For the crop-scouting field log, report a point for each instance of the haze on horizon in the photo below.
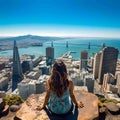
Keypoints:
(64, 18)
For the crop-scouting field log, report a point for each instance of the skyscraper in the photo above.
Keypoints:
(49, 55)
(84, 58)
(96, 64)
(108, 62)
(17, 69)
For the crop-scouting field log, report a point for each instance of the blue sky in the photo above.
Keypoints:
(60, 17)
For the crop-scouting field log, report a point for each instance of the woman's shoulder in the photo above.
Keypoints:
(70, 82)
(48, 80)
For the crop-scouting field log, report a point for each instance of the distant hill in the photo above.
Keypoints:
(25, 40)
(30, 37)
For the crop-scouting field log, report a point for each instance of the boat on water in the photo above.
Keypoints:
(37, 44)
(72, 51)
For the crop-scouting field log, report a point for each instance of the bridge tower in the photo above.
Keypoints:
(103, 45)
(66, 44)
(52, 44)
(89, 45)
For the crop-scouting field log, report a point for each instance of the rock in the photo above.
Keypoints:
(112, 107)
(5, 111)
(2, 105)
(118, 104)
(102, 109)
(88, 112)
(110, 112)
(9, 116)
(14, 108)
(102, 113)
(112, 117)
(2, 94)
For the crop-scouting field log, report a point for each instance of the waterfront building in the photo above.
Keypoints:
(83, 59)
(108, 62)
(96, 64)
(49, 55)
(27, 65)
(17, 69)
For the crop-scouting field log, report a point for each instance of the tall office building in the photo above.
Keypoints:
(49, 55)
(17, 69)
(108, 62)
(96, 64)
(83, 59)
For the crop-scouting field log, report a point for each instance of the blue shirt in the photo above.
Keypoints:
(60, 105)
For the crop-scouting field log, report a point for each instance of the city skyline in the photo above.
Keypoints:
(76, 18)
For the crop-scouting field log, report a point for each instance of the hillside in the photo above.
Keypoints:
(24, 41)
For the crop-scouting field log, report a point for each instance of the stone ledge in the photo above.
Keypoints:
(89, 112)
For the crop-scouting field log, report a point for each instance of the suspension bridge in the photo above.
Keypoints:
(67, 44)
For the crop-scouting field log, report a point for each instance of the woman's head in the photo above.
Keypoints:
(59, 78)
(60, 67)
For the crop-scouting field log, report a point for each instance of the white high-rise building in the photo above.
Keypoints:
(96, 64)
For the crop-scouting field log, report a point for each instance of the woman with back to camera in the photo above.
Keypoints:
(59, 91)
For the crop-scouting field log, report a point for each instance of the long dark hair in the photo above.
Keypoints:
(59, 78)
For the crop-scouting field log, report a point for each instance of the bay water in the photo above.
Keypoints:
(74, 44)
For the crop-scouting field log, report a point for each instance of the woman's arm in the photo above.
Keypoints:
(71, 89)
(46, 96)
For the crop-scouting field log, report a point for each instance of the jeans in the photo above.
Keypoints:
(71, 109)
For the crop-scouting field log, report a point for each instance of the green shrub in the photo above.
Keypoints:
(100, 104)
(13, 100)
(114, 101)
(105, 100)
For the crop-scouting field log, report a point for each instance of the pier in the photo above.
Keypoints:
(68, 54)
